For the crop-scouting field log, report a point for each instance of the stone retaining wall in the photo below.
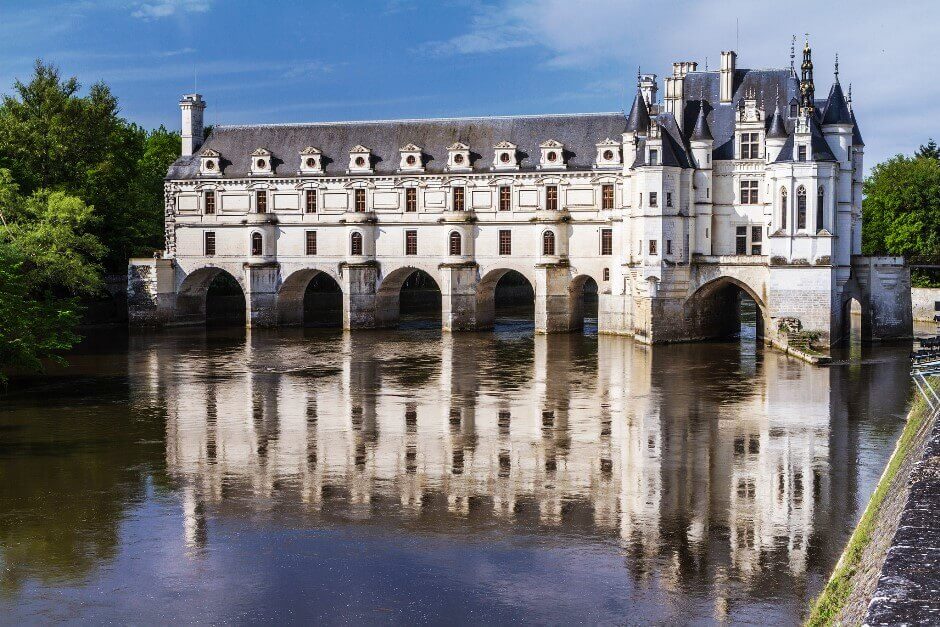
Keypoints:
(922, 302)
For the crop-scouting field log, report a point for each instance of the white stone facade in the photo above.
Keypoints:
(739, 180)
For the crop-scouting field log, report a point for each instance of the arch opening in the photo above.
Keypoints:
(506, 301)
(853, 321)
(584, 304)
(726, 309)
(310, 298)
(409, 298)
(211, 296)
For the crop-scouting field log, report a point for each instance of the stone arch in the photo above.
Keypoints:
(486, 293)
(191, 296)
(388, 293)
(293, 290)
(576, 295)
(712, 309)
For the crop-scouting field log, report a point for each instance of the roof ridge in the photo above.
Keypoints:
(399, 121)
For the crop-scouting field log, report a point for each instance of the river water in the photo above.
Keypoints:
(413, 476)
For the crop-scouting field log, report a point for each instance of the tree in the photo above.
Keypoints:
(929, 150)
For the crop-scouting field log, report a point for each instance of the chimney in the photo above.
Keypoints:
(191, 108)
(675, 89)
(726, 87)
(648, 87)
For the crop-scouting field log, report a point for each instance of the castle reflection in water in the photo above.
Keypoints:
(718, 459)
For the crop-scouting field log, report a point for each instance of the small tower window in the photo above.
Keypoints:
(411, 199)
(210, 202)
(783, 208)
(801, 153)
(654, 199)
(360, 200)
(257, 244)
(411, 242)
(548, 243)
(653, 246)
(505, 198)
(551, 197)
(209, 243)
(607, 241)
(311, 201)
(740, 240)
(757, 236)
(355, 244)
(820, 198)
(607, 196)
(606, 274)
(459, 199)
(801, 208)
(261, 201)
(654, 157)
(505, 242)
(311, 243)
(668, 199)
(455, 244)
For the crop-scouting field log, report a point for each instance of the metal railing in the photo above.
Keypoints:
(925, 363)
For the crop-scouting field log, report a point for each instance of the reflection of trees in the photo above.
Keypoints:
(67, 477)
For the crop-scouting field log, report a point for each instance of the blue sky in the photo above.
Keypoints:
(307, 61)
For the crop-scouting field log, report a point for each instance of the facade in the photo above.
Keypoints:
(738, 180)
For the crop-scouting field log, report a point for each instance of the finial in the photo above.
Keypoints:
(837, 67)
(806, 46)
(792, 53)
(850, 93)
(638, 76)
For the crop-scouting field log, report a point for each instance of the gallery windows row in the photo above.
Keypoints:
(458, 199)
(455, 245)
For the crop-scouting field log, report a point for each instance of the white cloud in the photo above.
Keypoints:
(308, 68)
(167, 8)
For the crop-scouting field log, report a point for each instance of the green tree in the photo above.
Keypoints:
(929, 150)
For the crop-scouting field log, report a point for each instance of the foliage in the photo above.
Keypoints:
(929, 150)
(901, 210)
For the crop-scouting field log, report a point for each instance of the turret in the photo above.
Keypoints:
(702, 143)
(702, 140)
(192, 107)
(776, 135)
(807, 87)
(639, 119)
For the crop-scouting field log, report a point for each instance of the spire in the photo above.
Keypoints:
(837, 67)
(701, 132)
(777, 130)
(848, 101)
(837, 109)
(792, 55)
(639, 119)
(807, 88)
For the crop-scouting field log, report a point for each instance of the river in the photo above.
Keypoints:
(413, 476)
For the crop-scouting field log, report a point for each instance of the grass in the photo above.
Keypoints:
(833, 597)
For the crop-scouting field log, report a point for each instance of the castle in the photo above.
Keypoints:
(739, 180)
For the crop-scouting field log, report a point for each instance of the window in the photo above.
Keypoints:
(792, 109)
(748, 192)
(668, 246)
(505, 198)
(740, 240)
(210, 203)
(607, 242)
(355, 244)
(653, 246)
(411, 242)
(455, 244)
(607, 196)
(257, 245)
(261, 201)
(757, 235)
(654, 157)
(668, 199)
(707, 192)
(548, 243)
(654, 199)
(459, 204)
(311, 205)
(801, 153)
(551, 197)
(311, 247)
(801, 207)
(606, 274)
(411, 199)
(209, 243)
(360, 200)
(505, 242)
(819, 209)
(783, 208)
(750, 145)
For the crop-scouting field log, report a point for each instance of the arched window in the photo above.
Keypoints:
(783, 208)
(257, 244)
(455, 244)
(548, 243)
(820, 197)
(355, 244)
(801, 207)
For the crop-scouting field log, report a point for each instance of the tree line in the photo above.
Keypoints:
(81, 191)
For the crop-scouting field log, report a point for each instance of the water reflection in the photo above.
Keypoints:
(722, 472)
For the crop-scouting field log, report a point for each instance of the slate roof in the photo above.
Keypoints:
(580, 133)
(674, 151)
(837, 111)
(701, 132)
(639, 118)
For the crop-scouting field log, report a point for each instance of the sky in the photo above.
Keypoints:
(260, 62)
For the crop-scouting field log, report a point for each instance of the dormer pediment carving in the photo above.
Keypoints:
(411, 158)
(360, 159)
(458, 157)
(553, 155)
(261, 161)
(311, 160)
(210, 162)
(608, 154)
(505, 156)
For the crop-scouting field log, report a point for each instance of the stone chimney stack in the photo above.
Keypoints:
(675, 89)
(728, 64)
(648, 87)
(192, 107)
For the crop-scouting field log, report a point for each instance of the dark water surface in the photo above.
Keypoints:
(409, 476)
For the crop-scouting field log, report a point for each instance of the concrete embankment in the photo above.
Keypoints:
(880, 562)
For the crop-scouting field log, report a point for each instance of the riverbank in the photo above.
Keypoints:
(854, 580)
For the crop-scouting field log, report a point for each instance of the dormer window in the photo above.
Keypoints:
(553, 154)
(209, 162)
(411, 159)
(458, 156)
(261, 161)
(750, 145)
(360, 159)
(654, 157)
(608, 154)
(801, 153)
(505, 157)
(311, 160)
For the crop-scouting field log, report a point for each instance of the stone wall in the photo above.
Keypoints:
(922, 303)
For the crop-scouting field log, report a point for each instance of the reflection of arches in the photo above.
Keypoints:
(423, 294)
(310, 297)
(509, 289)
(715, 309)
(195, 303)
(582, 300)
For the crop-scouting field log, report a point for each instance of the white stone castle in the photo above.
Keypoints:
(739, 180)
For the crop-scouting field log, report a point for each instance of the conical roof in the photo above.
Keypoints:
(639, 118)
(778, 129)
(837, 111)
(701, 132)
